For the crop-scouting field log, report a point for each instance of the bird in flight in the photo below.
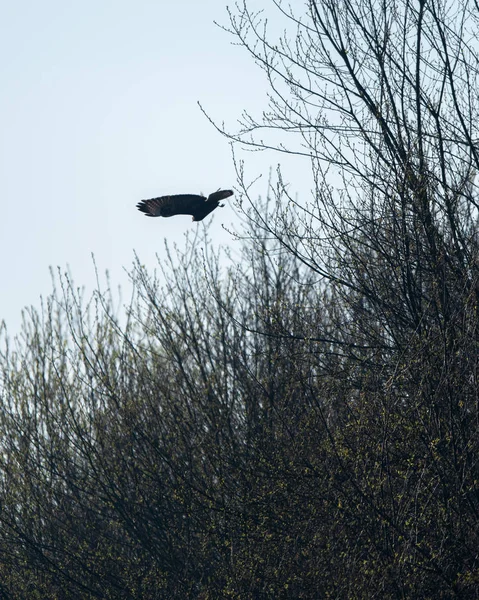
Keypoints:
(183, 204)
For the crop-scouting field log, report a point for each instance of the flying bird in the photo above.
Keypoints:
(183, 204)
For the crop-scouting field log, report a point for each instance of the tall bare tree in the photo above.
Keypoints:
(303, 423)
(382, 99)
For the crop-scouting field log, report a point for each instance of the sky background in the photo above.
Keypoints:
(99, 110)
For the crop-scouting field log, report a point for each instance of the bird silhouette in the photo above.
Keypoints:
(183, 204)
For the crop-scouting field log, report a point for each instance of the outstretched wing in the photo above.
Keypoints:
(219, 195)
(168, 206)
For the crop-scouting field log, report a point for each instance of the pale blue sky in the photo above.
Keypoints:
(98, 110)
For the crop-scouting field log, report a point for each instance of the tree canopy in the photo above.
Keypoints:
(299, 419)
